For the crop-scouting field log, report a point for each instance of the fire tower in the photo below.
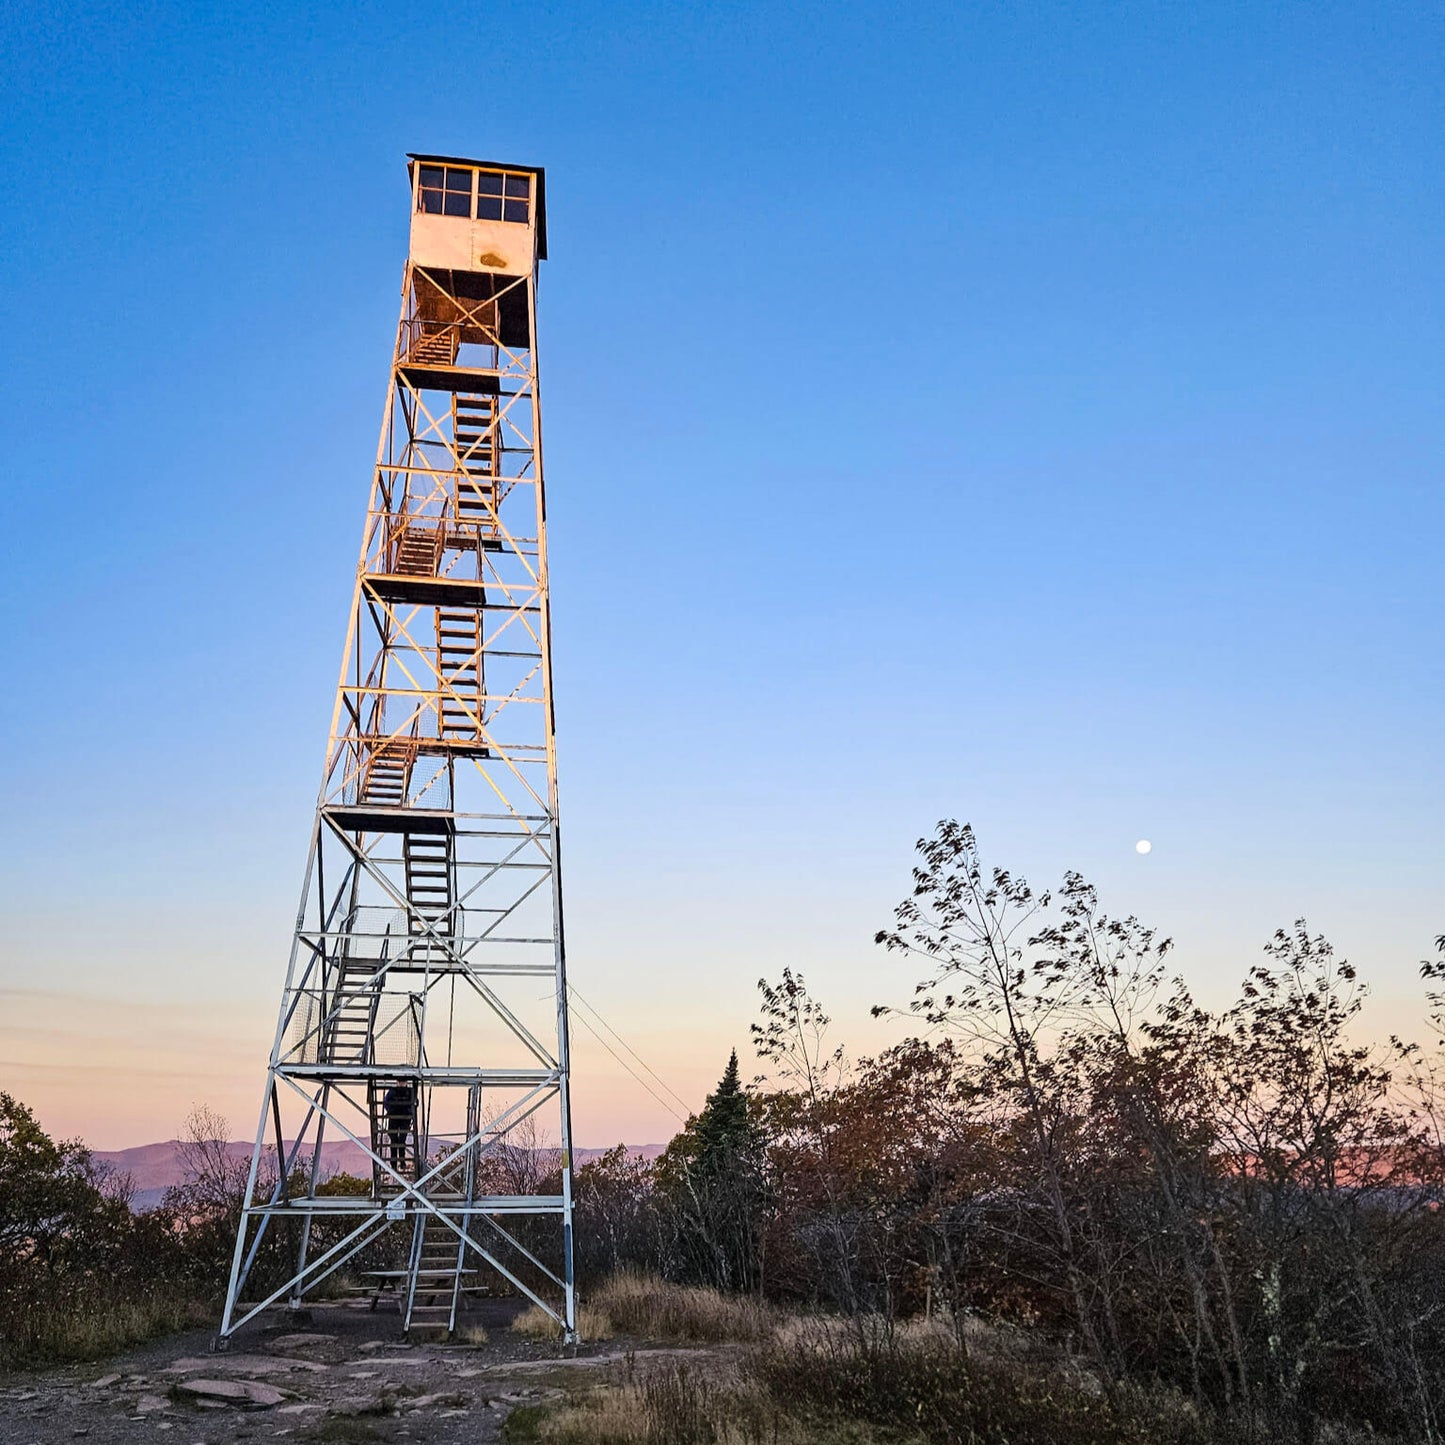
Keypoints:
(424, 1017)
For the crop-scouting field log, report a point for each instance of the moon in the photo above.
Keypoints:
(1143, 846)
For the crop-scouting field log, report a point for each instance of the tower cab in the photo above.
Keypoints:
(477, 215)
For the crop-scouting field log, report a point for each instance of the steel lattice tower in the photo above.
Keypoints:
(431, 912)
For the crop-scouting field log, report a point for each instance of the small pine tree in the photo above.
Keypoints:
(726, 1134)
(714, 1173)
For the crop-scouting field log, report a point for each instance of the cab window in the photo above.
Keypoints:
(445, 190)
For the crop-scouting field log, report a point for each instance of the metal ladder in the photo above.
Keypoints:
(438, 1265)
(459, 672)
(406, 1159)
(386, 771)
(430, 890)
(352, 1021)
(474, 433)
(435, 344)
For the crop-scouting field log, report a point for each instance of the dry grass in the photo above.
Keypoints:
(536, 1324)
(978, 1339)
(917, 1381)
(653, 1309)
(679, 1406)
(605, 1417)
(814, 1380)
(472, 1335)
(88, 1329)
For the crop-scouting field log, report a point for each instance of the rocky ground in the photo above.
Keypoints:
(337, 1373)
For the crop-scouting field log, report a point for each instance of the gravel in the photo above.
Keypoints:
(328, 1375)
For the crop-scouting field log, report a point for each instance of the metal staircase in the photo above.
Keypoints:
(437, 1270)
(416, 547)
(352, 1021)
(386, 772)
(459, 670)
(430, 888)
(404, 1151)
(474, 430)
(434, 345)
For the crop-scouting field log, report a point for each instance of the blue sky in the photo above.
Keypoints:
(1022, 413)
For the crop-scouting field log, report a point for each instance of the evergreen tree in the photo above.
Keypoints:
(713, 1171)
(726, 1134)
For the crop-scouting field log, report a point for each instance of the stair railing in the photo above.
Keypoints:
(413, 1268)
(469, 1194)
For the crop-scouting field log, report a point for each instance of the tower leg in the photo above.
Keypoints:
(239, 1269)
(295, 1300)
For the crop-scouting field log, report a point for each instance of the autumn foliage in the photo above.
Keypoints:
(1240, 1205)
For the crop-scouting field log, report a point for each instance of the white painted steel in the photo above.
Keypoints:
(432, 895)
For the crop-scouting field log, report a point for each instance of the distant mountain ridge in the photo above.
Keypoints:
(154, 1168)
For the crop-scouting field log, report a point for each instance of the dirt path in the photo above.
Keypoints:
(338, 1374)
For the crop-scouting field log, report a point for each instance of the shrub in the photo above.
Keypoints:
(929, 1386)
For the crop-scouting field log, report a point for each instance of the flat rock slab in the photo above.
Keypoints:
(251, 1394)
(582, 1362)
(241, 1365)
(301, 1341)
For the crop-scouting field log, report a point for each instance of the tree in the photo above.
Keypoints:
(713, 1174)
(78, 1271)
(813, 1136)
(991, 988)
(724, 1130)
(53, 1199)
(616, 1222)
